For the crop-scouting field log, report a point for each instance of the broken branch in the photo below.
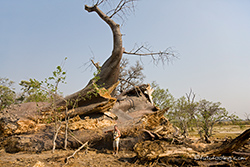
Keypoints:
(72, 156)
(54, 140)
(97, 66)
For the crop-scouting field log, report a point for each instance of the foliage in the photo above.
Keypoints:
(32, 91)
(184, 113)
(47, 90)
(7, 93)
(187, 114)
(209, 113)
(179, 115)
(162, 97)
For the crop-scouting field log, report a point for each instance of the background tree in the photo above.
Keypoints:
(44, 91)
(162, 97)
(179, 116)
(210, 113)
(7, 93)
(32, 91)
(129, 76)
(192, 109)
(184, 113)
(247, 115)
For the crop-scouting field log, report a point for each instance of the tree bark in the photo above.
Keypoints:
(108, 73)
(110, 70)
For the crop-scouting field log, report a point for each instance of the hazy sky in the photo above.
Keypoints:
(212, 38)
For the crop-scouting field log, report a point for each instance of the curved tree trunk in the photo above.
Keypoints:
(110, 70)
(108, 74)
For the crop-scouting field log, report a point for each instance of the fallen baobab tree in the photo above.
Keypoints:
(23, 127)
(144, 130)
(147, 132)
(94, 109)
(96, 97)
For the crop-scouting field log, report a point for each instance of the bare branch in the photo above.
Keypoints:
(72, 156)
(118, 8)
(98, 67)
(190, 96)
(72, 135)
(125, 7)
(136, 87)
(99, 2)
(129, 76)
(161, 56)
(88, 64)
(55, 136)
(247, 115)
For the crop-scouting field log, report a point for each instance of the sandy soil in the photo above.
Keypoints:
(92, 158)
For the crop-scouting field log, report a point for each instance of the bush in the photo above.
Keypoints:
(7, 93)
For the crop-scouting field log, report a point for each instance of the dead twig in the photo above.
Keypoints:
(72, 156)
(66, 128)
(55, 137)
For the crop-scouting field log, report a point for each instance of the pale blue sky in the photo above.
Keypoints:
(212, 38)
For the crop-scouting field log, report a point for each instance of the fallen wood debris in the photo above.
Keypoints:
(144, 129)
(72, 156)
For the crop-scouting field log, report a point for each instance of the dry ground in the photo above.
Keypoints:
(222, 131)
(232, 131)
(47, 159)
(93, 158)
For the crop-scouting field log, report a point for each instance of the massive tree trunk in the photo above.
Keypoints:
(109, 72)
(107, 76)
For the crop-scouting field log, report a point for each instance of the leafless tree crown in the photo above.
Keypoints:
(122, 8)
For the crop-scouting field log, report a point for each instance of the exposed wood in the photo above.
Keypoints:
(66, 128)
(241, 153)
(158, 129)
(148, 132)
(97, 100)
(97, 66)
(149, 92)
(111, 115)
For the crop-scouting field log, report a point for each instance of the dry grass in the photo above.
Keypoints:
(224, 130)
